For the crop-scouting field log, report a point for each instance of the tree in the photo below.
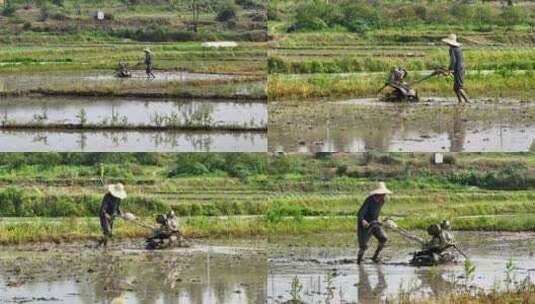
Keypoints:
(9, 8)
(194, 14)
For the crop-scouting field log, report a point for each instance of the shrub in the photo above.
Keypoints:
(280, 165)
(11, 201)
(189, 168)
(511, 178)
(9, 10)
(233, 164)
(450, 159)
(317, 15)
(250, 4)
(227, 12)
(58, 2)
(273, 12)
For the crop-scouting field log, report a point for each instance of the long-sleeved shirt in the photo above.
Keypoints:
(370, 210)
(148, 59)
(456, 59)
(110, 205)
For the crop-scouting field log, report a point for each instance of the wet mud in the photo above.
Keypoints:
(435, 125)
(61, 140)
(325, 266)
(30, 81)
(131, 113)
(227, 273)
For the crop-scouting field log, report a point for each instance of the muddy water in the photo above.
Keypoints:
(221, 273)
(328, 272)
(132, 112)
(364, 125)
(131, 141)
(27, 81)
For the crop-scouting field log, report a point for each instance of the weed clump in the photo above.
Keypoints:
(227, 12)
(233, 164)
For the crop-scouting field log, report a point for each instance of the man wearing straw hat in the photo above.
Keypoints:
(368, 223)
(148, 64)
(109, 209)
(456, 67)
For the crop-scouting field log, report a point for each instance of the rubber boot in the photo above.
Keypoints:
(360, 256)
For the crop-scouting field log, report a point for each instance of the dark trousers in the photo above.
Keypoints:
(364, 235)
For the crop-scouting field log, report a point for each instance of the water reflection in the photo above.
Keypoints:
(419, 128)
(329, 273)
(367, 292)
(104, 112)
(457, 136)
(131, 141)
(163, 277)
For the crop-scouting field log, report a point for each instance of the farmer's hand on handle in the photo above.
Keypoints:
(391, 224)
(127, 216)
(365, 224)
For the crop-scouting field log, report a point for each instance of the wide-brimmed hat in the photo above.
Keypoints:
(147, 50)
(117, 190)
(381, 189)
(451, 40)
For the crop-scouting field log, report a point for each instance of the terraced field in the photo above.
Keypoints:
(294, 194)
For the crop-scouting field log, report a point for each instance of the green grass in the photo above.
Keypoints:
(70, 39)
(143, 21)
(58, 195)
(493, 37)
(71, 229)
(247, 58)
(283, 88)
(363, 17)
(367, 59)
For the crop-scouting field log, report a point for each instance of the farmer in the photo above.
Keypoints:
(148, 64)
(456, 67)
(368, 223)
(109, 209)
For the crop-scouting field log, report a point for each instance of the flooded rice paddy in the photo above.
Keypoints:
(131, 141)
(253, 271)
(221, 273)
(107, 112)
(129, 125)
(26, 81)
(437, 125)
(328, 272)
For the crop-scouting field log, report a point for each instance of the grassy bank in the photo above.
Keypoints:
(283, 88)
(56, 196)
(145, 20)
(242, 88)
(248, 58)
(372, 59)
(66, 36)
(71, 229)
(324, 40)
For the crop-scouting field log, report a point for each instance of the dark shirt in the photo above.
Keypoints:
(370, 210)
(110, 205)
(148, 59)
(456, 59)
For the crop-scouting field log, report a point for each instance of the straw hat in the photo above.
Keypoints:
(381, 189)
(451, 40)
(147, 50)
(117, 190)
